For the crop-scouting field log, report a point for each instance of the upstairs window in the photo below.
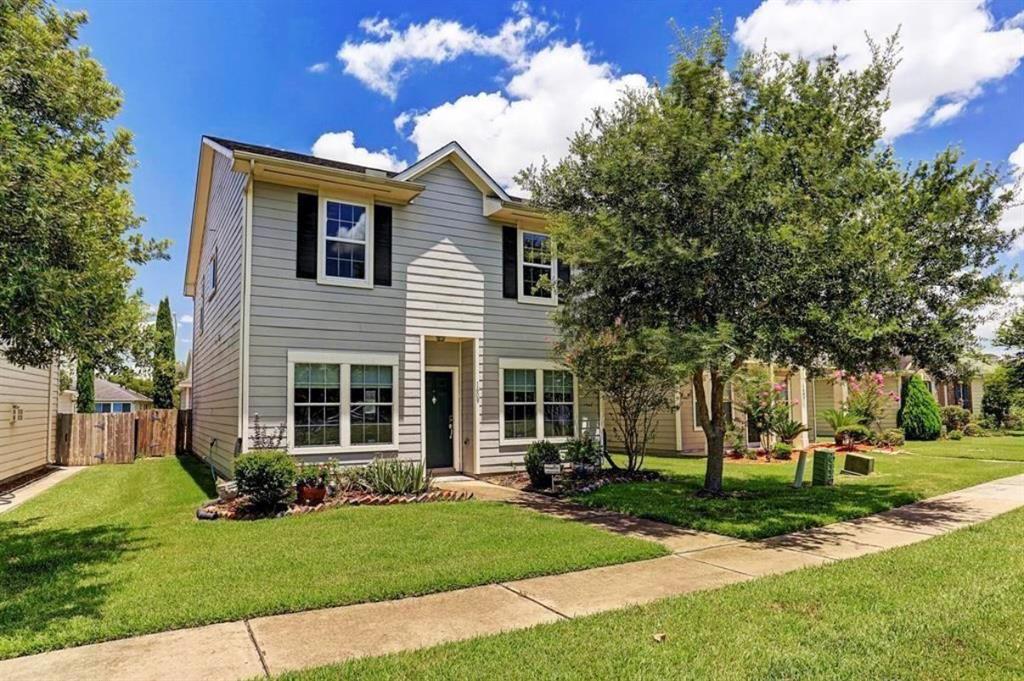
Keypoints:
(345, 238)
(537, 268)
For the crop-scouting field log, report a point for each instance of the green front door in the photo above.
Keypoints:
(440, 420)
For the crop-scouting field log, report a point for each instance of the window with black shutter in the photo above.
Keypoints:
(509, 262)
(306, 236)
(382, 245)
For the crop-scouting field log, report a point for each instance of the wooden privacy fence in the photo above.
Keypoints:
(87, 439)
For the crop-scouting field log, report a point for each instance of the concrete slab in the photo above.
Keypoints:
(219, 652)
(757, 559)
(482, 491)
(319, 637)
(619, 586)
(826, 546)
(14, 498)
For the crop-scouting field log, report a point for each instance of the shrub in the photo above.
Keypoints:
(919, 415)
(315, 474)
(750, 454)
(393, 476)
(955, 417)
(783, 451)
(789, 429)
(583, 451)
(265, 477)
(838, 419)
(891, 437)
(538, 454)
(867, 397)
(856, 432)
(972, 430)
(956, 435)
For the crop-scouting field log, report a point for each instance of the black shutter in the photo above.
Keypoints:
(305, 236)
(382, 245)
(563, 273)
(509, 257)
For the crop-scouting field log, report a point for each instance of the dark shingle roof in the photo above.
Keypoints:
(294, 156)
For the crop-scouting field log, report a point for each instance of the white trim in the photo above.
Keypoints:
(345, 360)
(539, 366)
(478, 401)
(321, 241)
(435, 158)
(243, 331)
(522, 296)
(456, 408)
(679, 420)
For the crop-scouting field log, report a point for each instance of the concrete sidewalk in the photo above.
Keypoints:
(16, 497)
(700, 561)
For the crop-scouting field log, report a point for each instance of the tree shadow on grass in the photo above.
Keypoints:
(53, 574)
(752, 508)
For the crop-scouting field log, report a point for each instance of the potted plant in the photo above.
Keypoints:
(312, 481)
(584, 455)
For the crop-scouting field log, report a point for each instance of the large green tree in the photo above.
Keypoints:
(68, 229)
(163, 357)
(756, 213)
(85, 377)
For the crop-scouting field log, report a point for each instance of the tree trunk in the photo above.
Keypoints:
(714, 472)
(712, 422)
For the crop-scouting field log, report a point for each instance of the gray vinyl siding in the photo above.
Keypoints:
(28, 443)
(446, 280)
(824, 398)
(663, 435)
(216, 352)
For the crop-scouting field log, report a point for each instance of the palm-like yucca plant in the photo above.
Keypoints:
(838, 419)
(789, 429)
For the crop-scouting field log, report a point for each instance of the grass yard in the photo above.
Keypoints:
(116, 551)
(945, 609)
(1001, 448)
(764, 503)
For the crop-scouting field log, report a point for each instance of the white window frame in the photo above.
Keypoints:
(321, 243)
(523, 296)
(345, 360)
(539, 366)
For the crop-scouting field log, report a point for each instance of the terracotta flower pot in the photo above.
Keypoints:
(311, 495)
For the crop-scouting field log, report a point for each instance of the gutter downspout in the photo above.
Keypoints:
(243, 378)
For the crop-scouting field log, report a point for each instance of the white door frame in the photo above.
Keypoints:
(456, 413)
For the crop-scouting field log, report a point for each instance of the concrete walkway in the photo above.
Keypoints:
(16, 497)
(700, 561)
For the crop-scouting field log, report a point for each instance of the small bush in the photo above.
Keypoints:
(583, 451)
(956, 435)
(919, 415)
(891, 437)
(972, 430)
(856, 432)
(538, 454)
(783, 451)
(955, 417)
(265, 477)
(750, 454)
(393, 476)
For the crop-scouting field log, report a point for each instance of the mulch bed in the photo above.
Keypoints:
(572, 485)
(239, 509)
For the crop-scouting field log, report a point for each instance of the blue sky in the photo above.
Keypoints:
(394, 80)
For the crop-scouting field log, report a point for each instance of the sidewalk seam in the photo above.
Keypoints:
(534, 600)
(256, 645)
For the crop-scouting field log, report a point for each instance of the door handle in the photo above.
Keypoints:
(451, 428)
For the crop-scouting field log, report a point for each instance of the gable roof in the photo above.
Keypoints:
(108, 391)
(454, 152)
(284, 154)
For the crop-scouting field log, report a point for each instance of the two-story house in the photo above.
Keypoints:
(373, 313)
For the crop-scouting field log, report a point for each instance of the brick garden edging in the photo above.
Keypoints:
(237, 510)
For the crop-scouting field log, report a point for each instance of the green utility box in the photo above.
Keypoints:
(859, 464)
(824, 469)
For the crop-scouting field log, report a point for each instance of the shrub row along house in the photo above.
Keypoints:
(379, 313)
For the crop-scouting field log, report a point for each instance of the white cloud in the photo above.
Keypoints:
(1016, 21)
(186, 319)
(1013, 218)
(319, 67)
(341, 146)
(949, 49)
(542, 105)
(992, 316)
(383, 61)
(947, 112)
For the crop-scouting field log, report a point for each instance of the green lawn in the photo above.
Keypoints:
(763, 504)
(116, 551)
(945, 609)
(1001, 448)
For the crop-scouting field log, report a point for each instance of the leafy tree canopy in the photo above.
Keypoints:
(68, 230)
(757, 214)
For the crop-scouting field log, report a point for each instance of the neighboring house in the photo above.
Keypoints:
(28, 418)
(111, 397)
(373, 313)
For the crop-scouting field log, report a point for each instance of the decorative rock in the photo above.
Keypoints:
(206, 514)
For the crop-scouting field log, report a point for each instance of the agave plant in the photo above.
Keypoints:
(789, 429)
